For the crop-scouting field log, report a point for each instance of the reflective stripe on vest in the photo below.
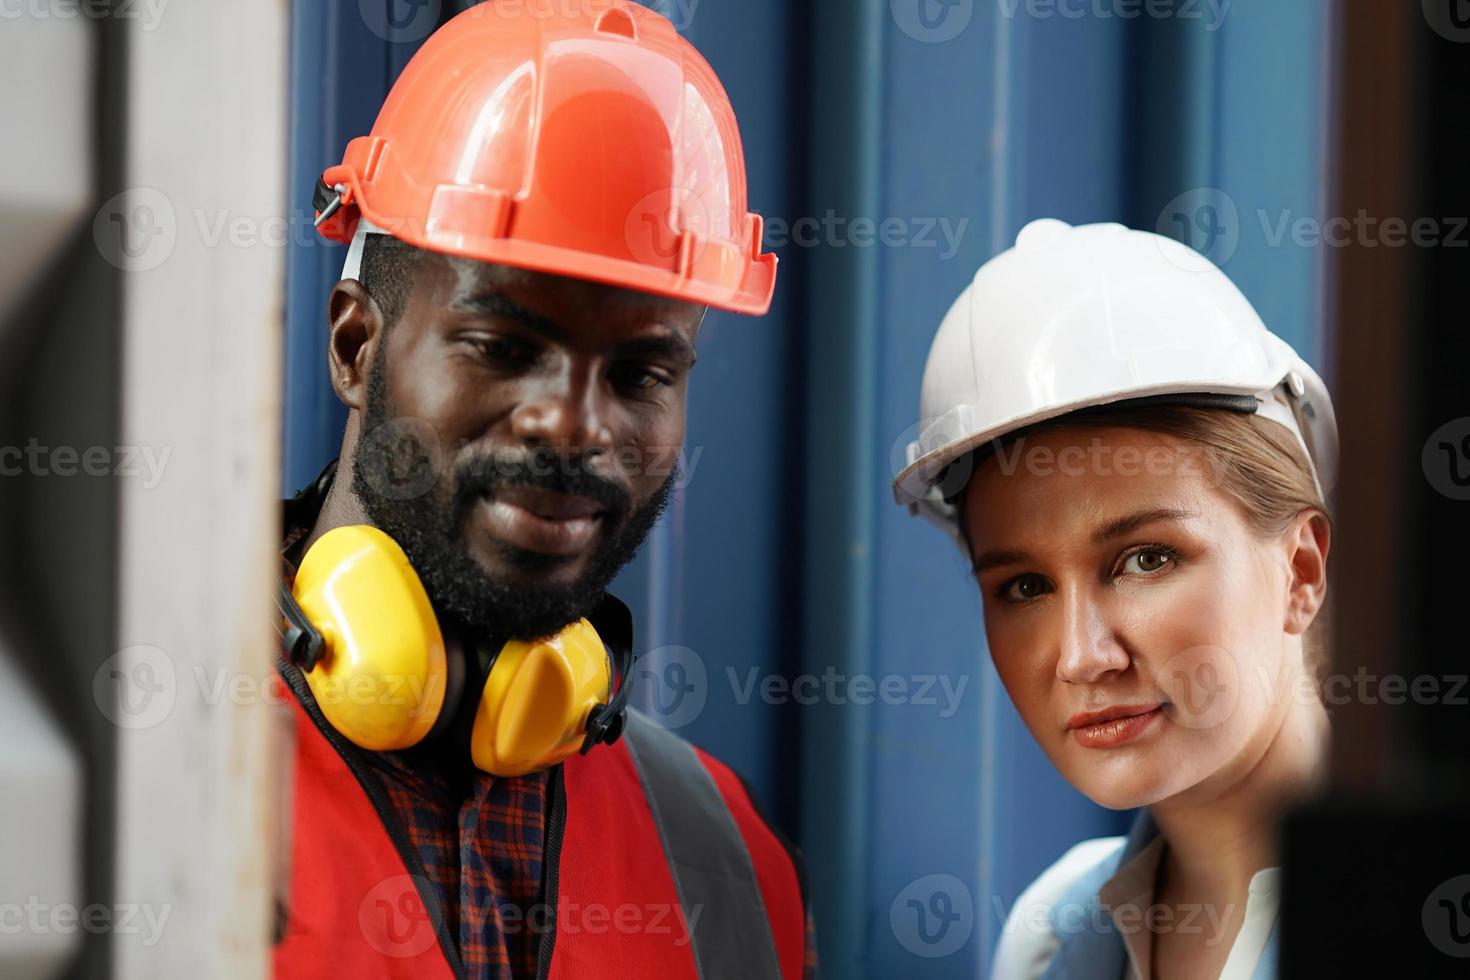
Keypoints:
(711, 868)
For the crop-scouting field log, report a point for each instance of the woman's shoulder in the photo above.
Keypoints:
(1028, 941)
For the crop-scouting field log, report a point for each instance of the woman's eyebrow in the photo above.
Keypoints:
(1132, 522)
(995, 559)
(1112, 529)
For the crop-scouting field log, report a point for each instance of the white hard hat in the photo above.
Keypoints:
(1072, 318)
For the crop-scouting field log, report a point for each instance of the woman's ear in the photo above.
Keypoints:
(355, 331)
(1307, 541)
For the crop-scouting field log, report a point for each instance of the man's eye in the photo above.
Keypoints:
(635, 377)
(1024, 588)
(501, 349)
(1147, 561)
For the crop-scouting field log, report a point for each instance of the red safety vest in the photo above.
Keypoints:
(657, 865)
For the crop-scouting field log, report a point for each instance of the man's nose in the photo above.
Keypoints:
(564, 414)
(1089, 645)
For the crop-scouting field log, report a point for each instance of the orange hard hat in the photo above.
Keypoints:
(583, 138)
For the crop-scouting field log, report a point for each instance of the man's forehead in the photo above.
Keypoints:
(472, 276)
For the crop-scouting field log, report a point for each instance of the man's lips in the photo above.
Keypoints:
(548, 504)
(1113, 726)
(542, 521)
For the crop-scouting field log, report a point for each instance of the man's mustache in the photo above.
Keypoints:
(479, 476)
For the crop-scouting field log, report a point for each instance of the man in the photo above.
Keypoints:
(551, 198)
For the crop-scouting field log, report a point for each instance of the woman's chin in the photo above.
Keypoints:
(1126, 786)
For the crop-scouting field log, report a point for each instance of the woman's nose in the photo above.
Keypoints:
(1089, 645)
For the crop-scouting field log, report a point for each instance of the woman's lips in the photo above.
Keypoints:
(1114, 726)
(538, 520)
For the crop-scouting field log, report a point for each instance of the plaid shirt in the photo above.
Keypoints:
(481, 840)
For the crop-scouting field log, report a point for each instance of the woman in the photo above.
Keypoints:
(1136, 467)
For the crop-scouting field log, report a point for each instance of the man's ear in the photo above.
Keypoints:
(1307, 541)
(355, 332)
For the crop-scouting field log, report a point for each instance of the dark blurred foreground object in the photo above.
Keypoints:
(1377, 876)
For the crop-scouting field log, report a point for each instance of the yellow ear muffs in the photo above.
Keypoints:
(381, 676)
(359, 623)
(537, 701)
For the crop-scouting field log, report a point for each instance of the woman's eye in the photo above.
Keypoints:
(1146, 562)
(1024, 588)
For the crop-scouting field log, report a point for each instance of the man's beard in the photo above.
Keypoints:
(431, 530)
